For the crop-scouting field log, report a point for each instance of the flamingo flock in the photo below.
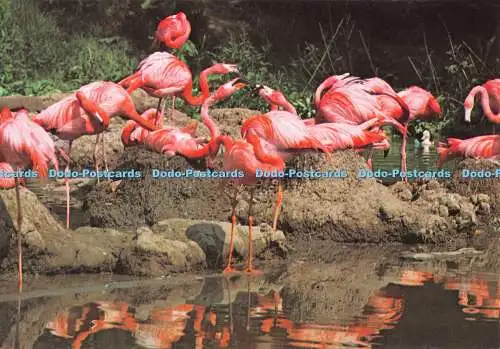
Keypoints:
(350, 112)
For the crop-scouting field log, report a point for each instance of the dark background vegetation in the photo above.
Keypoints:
(444, 46)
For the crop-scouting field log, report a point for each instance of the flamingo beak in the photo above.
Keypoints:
(240, 83)
(386, 152)
(467, 114)
(99, 118)
(256, 90)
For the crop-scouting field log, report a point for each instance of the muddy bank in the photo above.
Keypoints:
(170, 246)
(337, 209)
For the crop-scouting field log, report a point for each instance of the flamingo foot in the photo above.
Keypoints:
(228, 270)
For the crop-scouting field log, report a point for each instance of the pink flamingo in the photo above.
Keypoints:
(331, 83)
(421, 104)
(134, 134)
(354, 104)
(282, 131)
(333, 136)
(337, 136)
(490, 100)
(88, 112)
(288, 134)
(482, 147)
(173, 31)
(247, 156)
(275, 99)
(358, 100)
(172, 140)
(24, 144)
(162, 74)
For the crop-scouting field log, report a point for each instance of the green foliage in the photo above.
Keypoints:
(253, 64)
(463, 69)
(37, 57)
(187, 51)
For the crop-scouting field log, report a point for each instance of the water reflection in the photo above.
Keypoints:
(240, 317)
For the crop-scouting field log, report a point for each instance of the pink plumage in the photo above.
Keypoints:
(490, 100)
(337, 136)
(422, 104)
(248, 157)
(352, 104)
(25, 144)
(482, 147)
(69, 120)
(162, 74)
(173, 140)
(284, 130)
(173, 30)
(133, 133)
(6, 181)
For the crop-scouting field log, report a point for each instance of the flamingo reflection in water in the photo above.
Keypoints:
(166, 326)
(264, 312)
(474, 294)
(163, 327)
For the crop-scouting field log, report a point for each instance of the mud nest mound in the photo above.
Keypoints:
(469, 186)
(147, 200)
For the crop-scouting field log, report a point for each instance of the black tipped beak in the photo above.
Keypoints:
(386, 152)
(256, 90)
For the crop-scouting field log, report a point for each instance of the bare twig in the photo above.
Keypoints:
(431, 65)
(324, 56)
(367, 51)
(415, 69)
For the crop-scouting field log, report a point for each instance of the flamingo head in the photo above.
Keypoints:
(90, 107)
(272, 97)
(263, 91)
(229, 88)
(181, 16)
(468, 105)
(333, 80)
(223, 68)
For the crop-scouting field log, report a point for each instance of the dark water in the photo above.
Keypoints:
(415, 309)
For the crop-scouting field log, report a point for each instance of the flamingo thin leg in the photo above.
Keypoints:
(161, 119)
(66, 181)
(105, 159)
(158, 107)
(96, 157)
(277, 205)
(250, 268)
(19, 237)
(403, 155)
(229, 268)
(171, 112)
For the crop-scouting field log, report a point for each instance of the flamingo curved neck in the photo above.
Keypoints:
(207, 119)
(205, 92)
(319, 92)
(485, 103)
